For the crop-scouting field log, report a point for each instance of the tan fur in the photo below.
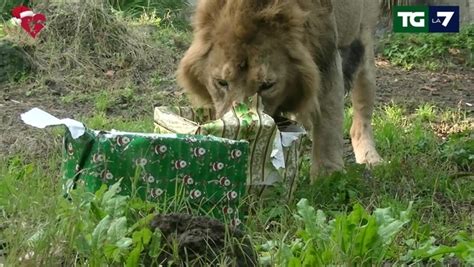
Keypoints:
(243, 46)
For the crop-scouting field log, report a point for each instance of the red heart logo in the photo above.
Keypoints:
(33, 25)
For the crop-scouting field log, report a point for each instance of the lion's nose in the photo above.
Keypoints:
(222, 110)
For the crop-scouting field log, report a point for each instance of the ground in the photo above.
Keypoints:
(423, 126)
(410, 88)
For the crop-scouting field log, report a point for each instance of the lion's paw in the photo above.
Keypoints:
(369, 157)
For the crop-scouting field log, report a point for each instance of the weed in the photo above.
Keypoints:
(348, 113)
(2, 33)
(170, 12)
(81, 55)
(431, 51)
(459, 149)
(426, 178)
(100, 121)
(426, 112)
(103, 102)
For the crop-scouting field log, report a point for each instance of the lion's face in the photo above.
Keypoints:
(234, 73)
(242, 48)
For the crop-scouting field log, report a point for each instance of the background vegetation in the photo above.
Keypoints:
(414, 209)
(431, 51)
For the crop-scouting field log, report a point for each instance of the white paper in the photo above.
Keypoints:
(42, 119)
(284, 139)
(287, 138)
(114, 133)
(278, 159)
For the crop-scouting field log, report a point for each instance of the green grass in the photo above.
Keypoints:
(416, 208)
(431, 51)
(7, 5)
(170, 11)
(2, 32)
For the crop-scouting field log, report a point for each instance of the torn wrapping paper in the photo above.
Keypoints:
(275, 146)
(206, 172)
(41, 119)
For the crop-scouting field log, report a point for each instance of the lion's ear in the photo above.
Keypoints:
(190, 73)
(206, 13)
(282, 14)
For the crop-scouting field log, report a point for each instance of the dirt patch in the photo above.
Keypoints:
(203, 239)
(446, 89)
(451, 89)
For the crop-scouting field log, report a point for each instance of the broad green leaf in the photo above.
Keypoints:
(112, 194)
(116, 206)
(109, 250)
(389, 226)
(113, 204)
(366, 239)
(99, 235)
(356, 234)
(340, 234)
(99, 194)
(124, 243)
(154, 249)
(116, 251)
(307, 214)
(117, 230)
(284, 255)
(82, 244)
(464, 250)
(98, 213)
(142, 237)
(143, 222)
(134, 257)
(113, 190)
(314, 222)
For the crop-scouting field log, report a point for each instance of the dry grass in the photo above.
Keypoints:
(85, 45)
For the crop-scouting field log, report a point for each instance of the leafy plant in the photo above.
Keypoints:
(431, 50)
(357, 238)
(102, 226)
(428, 251)
(459, 148)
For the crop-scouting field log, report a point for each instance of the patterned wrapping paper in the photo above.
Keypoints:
(275, 145)
(206, 173)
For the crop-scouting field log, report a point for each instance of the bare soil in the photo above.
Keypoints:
(446, 89)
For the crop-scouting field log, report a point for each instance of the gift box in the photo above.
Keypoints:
(275, 144)
(206, 173)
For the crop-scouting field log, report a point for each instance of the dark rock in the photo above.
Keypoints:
(201, 241)
(13, 61)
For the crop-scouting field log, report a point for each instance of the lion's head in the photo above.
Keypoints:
(244, 47)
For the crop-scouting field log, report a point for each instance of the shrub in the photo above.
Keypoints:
(431, 50)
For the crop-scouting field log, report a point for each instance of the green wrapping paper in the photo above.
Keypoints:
(208, 173)
(275, 146)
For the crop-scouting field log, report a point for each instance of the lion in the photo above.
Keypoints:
(300, 56)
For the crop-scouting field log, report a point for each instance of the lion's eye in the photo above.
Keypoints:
(266, 85)
(222, 83)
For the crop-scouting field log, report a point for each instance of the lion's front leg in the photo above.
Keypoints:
(363, 98)
(327, 130)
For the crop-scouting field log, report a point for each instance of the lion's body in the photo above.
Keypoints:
(298, 55)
